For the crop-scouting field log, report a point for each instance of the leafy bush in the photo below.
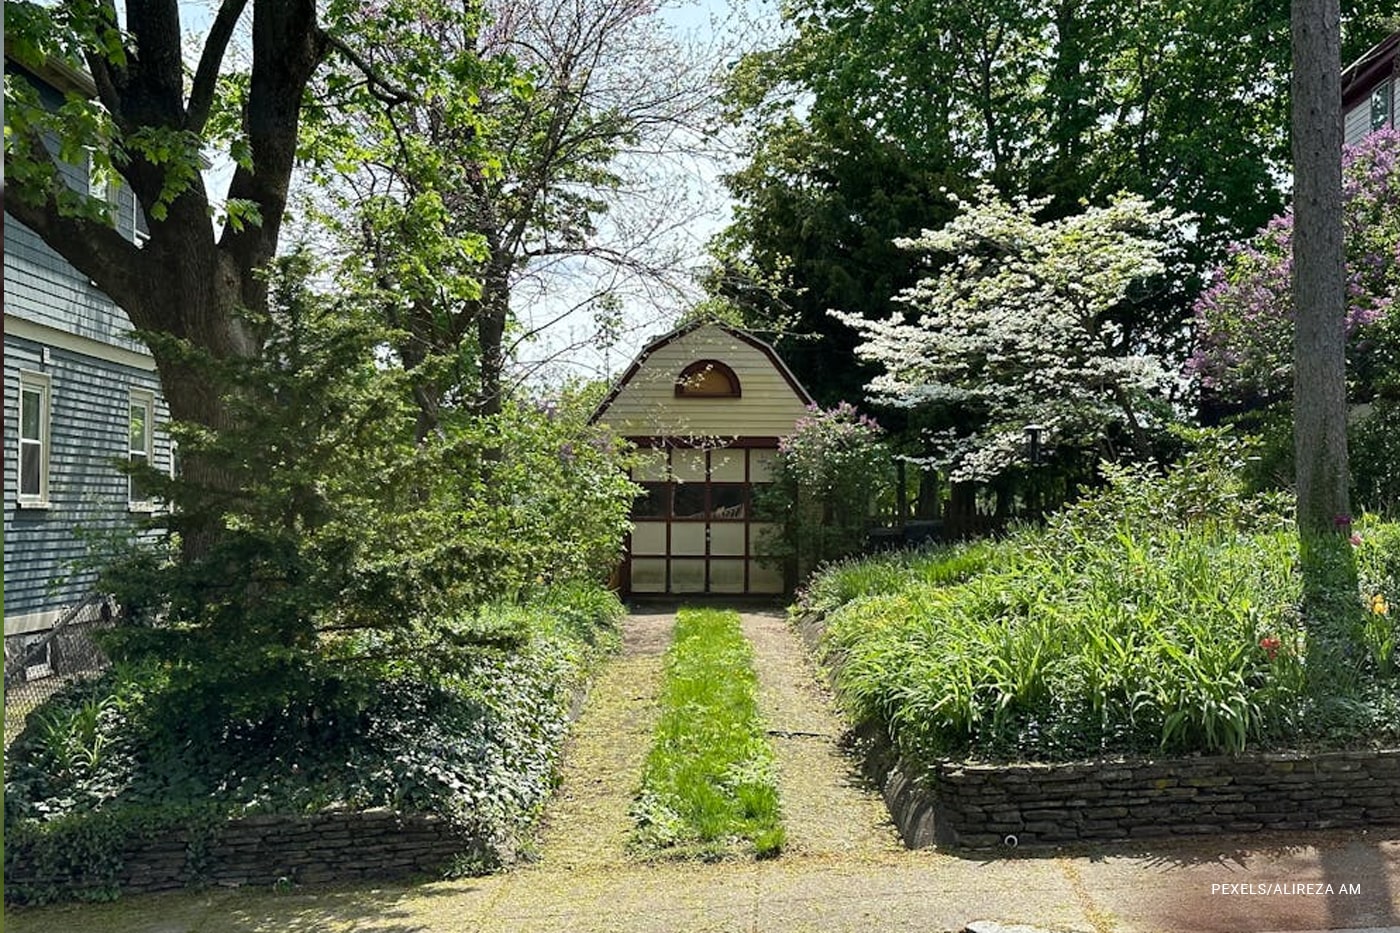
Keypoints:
(341, 539)
(479, 745)
(709, 779)
(829, 473)
(1158, 616)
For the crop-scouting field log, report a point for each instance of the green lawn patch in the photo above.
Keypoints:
(709, 785)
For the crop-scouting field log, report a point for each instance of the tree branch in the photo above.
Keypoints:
(109, 85)
(109, 260)
(381, 87)
(206, 76)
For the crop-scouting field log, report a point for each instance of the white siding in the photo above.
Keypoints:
(647, 406)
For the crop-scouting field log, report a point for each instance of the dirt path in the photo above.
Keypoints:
(826, 808)
(587, 823)
(843, 871)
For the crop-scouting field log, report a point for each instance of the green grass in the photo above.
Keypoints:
(709, 784)
(1118, 629)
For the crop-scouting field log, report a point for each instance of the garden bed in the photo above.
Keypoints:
(401, 776)
(1138, 667)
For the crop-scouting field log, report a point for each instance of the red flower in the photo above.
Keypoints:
(1270, 646)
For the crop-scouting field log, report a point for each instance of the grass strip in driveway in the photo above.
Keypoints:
(709, 786)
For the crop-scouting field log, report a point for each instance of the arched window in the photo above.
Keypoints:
(707, 379)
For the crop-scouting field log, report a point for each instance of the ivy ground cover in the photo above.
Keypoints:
(709, 786)
(102, 761)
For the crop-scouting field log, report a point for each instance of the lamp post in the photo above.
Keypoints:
(1033, 433)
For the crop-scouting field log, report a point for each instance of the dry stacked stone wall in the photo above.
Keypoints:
(266, 850)
(980, 806)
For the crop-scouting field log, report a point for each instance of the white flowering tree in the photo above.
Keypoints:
(1015, 326)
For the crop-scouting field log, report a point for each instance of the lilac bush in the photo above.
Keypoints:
(1244, 319)
(830, 470)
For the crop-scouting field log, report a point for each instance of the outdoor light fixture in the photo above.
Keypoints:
(1033, 432)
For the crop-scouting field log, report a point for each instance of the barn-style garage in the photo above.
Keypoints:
(705, 405)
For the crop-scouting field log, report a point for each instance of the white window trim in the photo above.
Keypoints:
(30, 380)
(107, 189)
(147, 400)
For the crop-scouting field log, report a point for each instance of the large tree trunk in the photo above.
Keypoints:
(1320, 406)
(185, 288)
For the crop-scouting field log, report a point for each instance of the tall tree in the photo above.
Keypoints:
(1182, 104)
(1319, 303)
(193, 289)
(550, 179)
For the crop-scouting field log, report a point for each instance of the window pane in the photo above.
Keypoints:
(727, 576)
(651, 465)
(649, 538)
(688, 576)
(727, 538)
(690, 500)
(31, 460)
(648, 575)
(764, 578)
(138, 427)
(727, 502)
(727, 465)
(31, 412)
(762, 464)
(689, 465)
(688, 538)
(137, 488)
(653, 501)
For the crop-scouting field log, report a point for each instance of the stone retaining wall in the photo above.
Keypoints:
(979, 806)
(975, 806)
(266, 850)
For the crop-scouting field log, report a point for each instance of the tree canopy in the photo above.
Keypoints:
(1017, 329)
(865, 110)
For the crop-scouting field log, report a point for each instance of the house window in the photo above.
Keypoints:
(102, 186)
(1382, 103)
(707, 379)
(140, 428)
(33, 439)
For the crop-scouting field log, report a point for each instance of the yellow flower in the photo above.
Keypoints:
(1379, 606)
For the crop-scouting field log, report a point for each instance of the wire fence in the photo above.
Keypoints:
(37, 665)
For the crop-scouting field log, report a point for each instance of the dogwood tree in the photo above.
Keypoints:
(1015, 325)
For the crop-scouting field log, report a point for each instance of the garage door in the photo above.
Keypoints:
(694, 528)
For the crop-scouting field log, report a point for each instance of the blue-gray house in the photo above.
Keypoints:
(81, 396)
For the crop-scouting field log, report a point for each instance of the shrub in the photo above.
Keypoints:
(830, 471)
(1158, 616)
(479, 745)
